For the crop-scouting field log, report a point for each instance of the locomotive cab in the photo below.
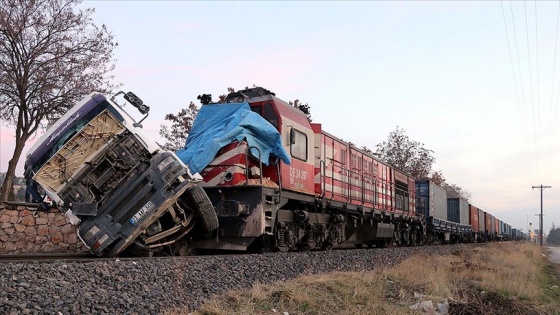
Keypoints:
(297, 138)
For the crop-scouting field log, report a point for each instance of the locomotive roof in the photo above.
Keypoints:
(259, 94)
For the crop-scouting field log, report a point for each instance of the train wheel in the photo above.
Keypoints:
(413, 239)
(304, 247)
(360, 245)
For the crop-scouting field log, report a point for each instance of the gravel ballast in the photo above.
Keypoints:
(150, 286)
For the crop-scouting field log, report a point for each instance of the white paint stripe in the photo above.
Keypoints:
(229, 154)
(220, 178)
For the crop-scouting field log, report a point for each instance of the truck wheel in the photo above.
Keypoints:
(203, 207)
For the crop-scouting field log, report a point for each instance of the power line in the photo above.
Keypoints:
(531, 89)
(522, 113)
(551, 120)
(539, 142)
(521, 81)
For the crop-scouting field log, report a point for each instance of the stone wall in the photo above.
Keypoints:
(24, 230)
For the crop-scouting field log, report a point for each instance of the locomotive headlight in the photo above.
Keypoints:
(235, 98)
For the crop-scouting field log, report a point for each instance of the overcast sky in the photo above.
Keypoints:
(481, 92)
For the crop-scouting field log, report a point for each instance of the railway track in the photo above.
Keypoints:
(80, 257)
(48, 258)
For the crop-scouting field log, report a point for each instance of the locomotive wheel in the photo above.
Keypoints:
(304, 247)
(359, 245)
(413, 239)
(381, 244)
(203, 206)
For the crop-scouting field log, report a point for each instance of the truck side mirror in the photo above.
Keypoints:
(133, 99)
(137, 102)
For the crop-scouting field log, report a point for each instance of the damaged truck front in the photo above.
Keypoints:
(124, 192)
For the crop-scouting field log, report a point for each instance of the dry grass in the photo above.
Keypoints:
(337, 293)
(511, 269)
(500, 278)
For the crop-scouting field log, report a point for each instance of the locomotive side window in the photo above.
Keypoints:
(298, 144)
(401, 195)
(270, 115)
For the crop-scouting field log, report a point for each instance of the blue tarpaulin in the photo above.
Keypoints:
(217, 125)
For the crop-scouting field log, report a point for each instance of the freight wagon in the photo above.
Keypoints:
(442, 215)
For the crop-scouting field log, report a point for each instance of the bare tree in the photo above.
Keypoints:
(366, 149)
(51, 55)
(181, 125)
(305, 108)
(437, 177)
(222, 97)
(453, 190)
(405, 154)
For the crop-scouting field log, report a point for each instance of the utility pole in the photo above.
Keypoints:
(541, 188)
(540, 220)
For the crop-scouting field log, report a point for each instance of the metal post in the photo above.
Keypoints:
(541, 188)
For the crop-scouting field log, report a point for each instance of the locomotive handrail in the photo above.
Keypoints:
(349, 183)
(279, 181)
(247, 164)
(322, 176)
(332, 178)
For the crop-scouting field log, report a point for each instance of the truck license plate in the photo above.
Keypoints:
(145, 209)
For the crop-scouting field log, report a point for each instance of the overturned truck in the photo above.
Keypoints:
(109, 177)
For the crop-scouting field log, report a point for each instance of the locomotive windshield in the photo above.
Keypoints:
(267, 112)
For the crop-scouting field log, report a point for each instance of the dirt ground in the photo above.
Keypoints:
(493, 303)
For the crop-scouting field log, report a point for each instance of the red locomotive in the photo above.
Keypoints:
(331, 194)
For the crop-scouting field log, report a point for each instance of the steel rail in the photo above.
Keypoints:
(47, 258)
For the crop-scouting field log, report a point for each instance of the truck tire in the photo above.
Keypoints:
(203, 206)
